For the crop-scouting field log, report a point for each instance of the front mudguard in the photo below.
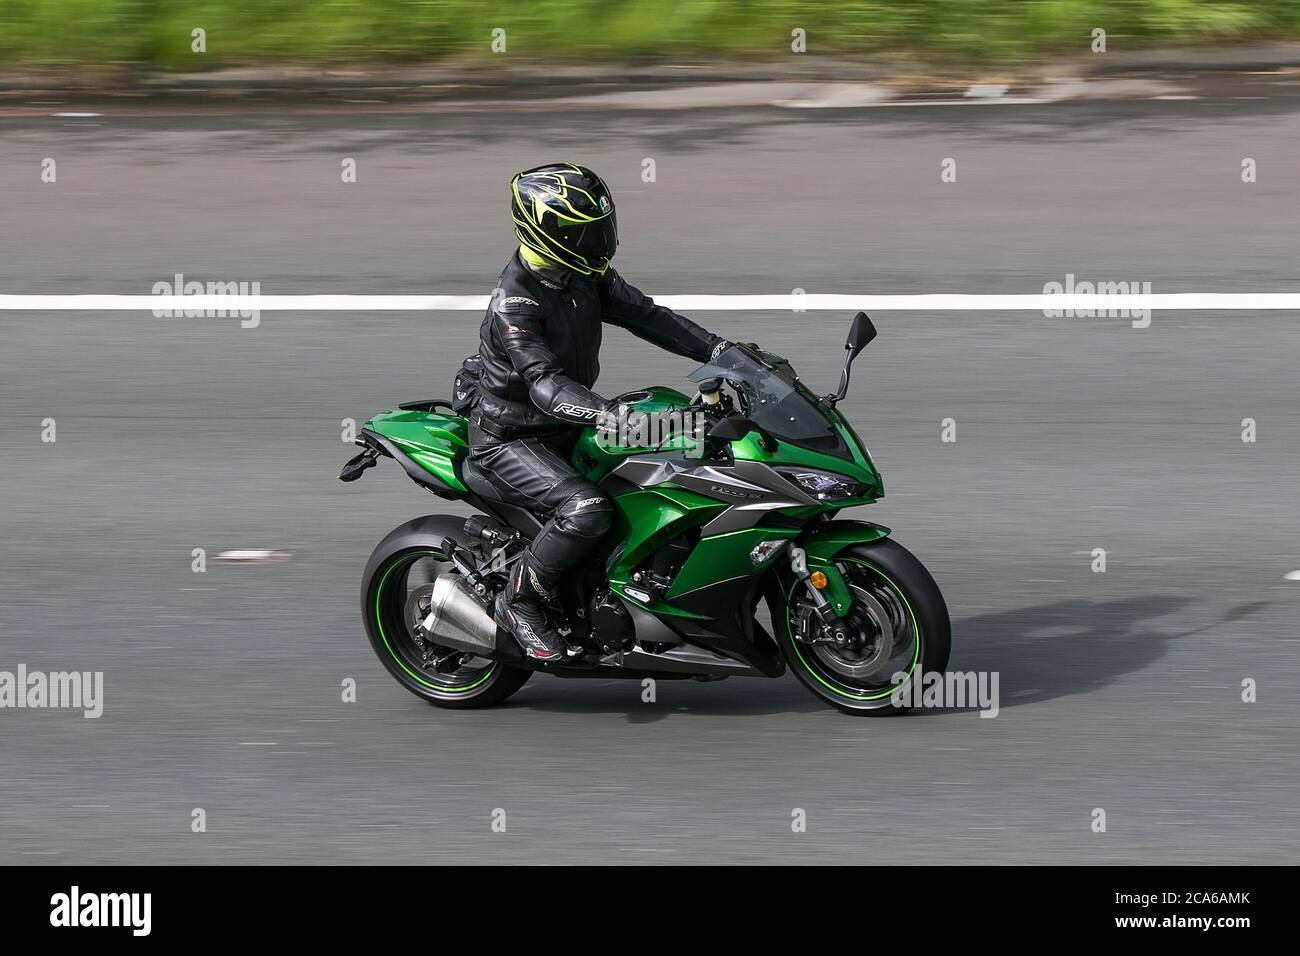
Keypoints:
(824, 543)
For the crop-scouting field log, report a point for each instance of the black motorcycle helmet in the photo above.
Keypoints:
(564, 213)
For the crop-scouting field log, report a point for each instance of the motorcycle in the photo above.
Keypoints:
(709, 522)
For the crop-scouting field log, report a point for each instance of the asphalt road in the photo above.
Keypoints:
(1119, 690)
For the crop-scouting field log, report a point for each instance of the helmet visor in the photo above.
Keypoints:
(595, 241)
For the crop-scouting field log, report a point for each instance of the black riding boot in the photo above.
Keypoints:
(519, 609)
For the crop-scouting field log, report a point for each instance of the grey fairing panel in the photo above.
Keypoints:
(751, 488)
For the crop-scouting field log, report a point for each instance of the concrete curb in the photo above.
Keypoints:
(802, 82)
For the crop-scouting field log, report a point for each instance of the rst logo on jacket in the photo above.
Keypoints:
(577, 411)
(518, 300)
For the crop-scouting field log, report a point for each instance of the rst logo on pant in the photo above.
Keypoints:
(76, 909)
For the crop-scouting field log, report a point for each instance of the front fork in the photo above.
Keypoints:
(830, 626)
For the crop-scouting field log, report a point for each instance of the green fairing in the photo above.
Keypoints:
(595, 460)
(646, 520)
(721, 557)
(861, 469)
(437, 443)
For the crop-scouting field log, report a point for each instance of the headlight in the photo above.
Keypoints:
(825, 486)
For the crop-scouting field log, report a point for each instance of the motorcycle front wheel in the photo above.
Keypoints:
(898, 625)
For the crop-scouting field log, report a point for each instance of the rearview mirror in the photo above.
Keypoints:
(861, 332)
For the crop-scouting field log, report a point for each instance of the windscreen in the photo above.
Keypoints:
(775, 399)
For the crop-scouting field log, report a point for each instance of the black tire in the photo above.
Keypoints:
(884, 568)
(418, 545)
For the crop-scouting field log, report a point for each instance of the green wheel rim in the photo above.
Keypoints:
(400, 562)
(916, 651)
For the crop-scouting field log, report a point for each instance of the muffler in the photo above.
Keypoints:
(458, 617)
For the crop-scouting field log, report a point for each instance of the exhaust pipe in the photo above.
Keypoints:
(458, 618)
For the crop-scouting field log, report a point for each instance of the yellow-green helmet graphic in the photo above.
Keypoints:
(565, 213)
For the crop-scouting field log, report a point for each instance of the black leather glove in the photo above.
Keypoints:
(631, 428)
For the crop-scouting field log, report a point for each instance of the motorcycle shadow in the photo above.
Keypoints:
(1072, 647)
(1040, 653)
(736, 696)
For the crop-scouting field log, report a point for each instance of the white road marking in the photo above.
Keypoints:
(1292, 576)
(813, 302)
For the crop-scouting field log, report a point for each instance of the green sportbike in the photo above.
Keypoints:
(710, 523)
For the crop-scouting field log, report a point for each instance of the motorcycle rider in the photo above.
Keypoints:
(539, 345)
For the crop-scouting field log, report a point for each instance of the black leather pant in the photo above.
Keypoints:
(535, 474)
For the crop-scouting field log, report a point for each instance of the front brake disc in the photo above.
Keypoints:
(873, 642)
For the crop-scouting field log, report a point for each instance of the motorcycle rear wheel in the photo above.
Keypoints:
(397, 574)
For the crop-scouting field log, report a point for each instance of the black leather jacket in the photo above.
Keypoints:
(540, 345)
